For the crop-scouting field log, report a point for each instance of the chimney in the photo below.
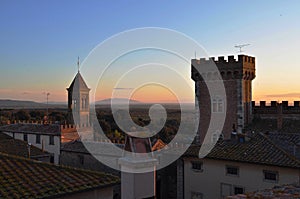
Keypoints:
(137, 171)
(279, 116)
(29, 150)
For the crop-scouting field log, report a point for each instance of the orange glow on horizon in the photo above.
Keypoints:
(154, 93)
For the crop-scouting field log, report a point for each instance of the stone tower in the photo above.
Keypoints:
(237, 76)
(78, 102)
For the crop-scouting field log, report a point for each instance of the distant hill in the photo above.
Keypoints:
(21, 104)
(119, 101)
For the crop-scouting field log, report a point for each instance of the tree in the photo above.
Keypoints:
(105, 126)
(22, 115)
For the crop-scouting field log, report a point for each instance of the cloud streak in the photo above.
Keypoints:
(123, 88)
(284, 95)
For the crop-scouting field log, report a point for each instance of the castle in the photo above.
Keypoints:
(237, 76)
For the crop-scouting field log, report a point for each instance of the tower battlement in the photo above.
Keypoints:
(264, 104)
(221, 59)
(241, 68)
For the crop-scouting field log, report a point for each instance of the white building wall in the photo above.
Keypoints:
(251, 177)
(45, 139)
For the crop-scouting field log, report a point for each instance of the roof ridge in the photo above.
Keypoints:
(78, 79)
(292, 157)
(284, 133)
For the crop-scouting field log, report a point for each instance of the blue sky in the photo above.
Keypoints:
(40, 40)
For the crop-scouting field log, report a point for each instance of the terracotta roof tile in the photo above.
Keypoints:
(50, 129)
(80, 147)
(258, 150)
(24, 178)
(159, 144)
(16, 147)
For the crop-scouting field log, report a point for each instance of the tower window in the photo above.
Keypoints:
(38, 139)
(25, 137)
(217, 106)
(214, 137)
(51, 140)
(74, 104)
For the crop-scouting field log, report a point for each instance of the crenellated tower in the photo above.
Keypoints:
(237, 76)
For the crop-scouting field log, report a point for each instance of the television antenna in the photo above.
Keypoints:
(241, 46)
(47, 98)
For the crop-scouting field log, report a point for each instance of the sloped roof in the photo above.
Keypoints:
(24, 178)
(78, 146)
(258, 150)
(43, 129)
(159, 144)
(290, 142)
(75, 146)
(79, 83)
(282, 191)
(16, 147)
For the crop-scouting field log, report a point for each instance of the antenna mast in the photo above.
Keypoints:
(78, 64)
(241, 46)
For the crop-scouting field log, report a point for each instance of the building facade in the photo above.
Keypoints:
(44, 136)
(235, 167)
(237, 76)
(9, 145)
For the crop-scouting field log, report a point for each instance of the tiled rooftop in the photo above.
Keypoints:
(49, 129)
(258, 150)
(74, 146)
(24, 178)
(159, 144)
(16, 147)
(288, 141)
(278, 192)
(100, 148)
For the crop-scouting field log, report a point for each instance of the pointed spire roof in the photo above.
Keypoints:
(79, 83)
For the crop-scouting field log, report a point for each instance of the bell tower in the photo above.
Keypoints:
(78, 101)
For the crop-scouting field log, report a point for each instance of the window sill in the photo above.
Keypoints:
(197, 171)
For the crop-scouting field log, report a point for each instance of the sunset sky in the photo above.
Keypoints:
(40, 41)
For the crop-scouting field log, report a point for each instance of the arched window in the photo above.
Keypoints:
(214, 137)
(217, 105)
(74, 104)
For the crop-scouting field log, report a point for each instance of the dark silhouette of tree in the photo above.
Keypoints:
(105, 126)
(37, 114)
(22, 115)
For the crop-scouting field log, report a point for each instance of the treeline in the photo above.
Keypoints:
(139, 116)
(11, 115)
